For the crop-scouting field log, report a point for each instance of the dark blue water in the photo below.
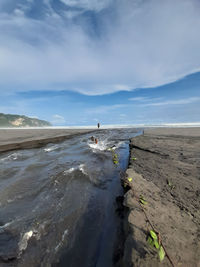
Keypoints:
(57, 203)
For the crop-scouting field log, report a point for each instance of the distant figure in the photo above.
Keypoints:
(92, 138)
(96, 141)
(98, 125)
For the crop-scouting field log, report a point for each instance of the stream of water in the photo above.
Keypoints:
(57, 203)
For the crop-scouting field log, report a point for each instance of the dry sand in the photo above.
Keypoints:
(11, 139)
(167, 173)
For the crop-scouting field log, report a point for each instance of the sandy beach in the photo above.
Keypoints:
(12, 139)
(165, 170)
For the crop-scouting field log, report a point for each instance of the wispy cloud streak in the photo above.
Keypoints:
(184, 101)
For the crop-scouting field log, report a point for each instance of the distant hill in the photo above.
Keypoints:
(9, 120)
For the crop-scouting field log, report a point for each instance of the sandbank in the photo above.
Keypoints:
(165, 170)
(12, 139)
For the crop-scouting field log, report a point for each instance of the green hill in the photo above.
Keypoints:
(9, 120)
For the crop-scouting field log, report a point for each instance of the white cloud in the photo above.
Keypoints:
(143, 44)
(184, 101)
(144, 99)
(140, 99)
(96, 5)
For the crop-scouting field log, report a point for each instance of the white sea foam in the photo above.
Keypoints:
(81, 167)
(69, 171)
(51, 148)
(23, 243)
(101, 145)
(13, 156)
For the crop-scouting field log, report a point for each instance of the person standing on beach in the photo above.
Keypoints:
(98, 125)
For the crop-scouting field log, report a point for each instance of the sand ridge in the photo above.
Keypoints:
(12, 139)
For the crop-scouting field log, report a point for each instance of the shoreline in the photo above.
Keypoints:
(11, 139)
(164, 167)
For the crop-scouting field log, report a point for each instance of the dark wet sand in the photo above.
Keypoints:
(11, 139)
(163, 156)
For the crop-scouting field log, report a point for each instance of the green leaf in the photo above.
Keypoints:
(161, 253)
(143, 200)
(150, 241)
(156, 244)
(153, 235)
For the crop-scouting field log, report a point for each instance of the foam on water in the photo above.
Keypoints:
(23, 243)
(51, 148)
(69, 171)
(81, 167)
(13, 156)
(101, 145)
(105, 145)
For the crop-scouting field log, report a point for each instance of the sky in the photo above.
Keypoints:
(79, 62)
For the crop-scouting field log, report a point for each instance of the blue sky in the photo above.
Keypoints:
(77, 62)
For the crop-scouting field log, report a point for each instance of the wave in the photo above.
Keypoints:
(81, 168)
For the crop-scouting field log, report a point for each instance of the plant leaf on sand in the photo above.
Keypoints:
(161, 253)
(153, 241)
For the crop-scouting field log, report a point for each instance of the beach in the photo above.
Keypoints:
(68, 188)
(164, 194)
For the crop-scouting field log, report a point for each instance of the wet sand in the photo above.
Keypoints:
(165, 170)
(12, 139)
